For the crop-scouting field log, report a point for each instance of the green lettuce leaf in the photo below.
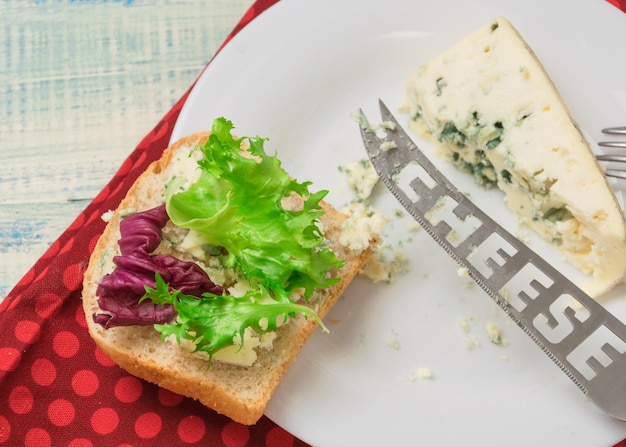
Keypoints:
(236, 204)
(212, 321)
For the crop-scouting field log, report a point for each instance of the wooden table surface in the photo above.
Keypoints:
(81, 83)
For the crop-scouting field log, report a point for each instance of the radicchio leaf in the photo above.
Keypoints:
(119, 292)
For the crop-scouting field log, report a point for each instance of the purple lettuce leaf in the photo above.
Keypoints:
(119, 292)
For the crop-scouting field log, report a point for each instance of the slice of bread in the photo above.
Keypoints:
(239, 392)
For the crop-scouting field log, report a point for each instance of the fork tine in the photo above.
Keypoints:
(620, 158)
(615, 130)
(615, 173)
(617, 144)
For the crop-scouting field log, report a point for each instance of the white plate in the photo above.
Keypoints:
(295, 74)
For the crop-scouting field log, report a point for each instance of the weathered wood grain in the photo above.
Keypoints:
(81, 82)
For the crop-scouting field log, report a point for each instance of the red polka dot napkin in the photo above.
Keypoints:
(58, 389)
(621, 4)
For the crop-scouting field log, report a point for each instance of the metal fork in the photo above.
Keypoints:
(586, 341)
(619, 158)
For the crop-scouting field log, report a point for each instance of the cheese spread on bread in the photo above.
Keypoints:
(489, 106)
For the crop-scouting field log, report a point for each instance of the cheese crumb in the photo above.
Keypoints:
(393, 341)
(495, 335)
(127, 212)
(361, 177)
(424, 373)
(463, 273)
(420, 373)
(379, 268)
(107, 216)
(388, 145)
(413, 227)
(362, 224)
(472, 342)
(464, 324)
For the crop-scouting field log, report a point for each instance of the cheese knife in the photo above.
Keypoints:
(583, 338)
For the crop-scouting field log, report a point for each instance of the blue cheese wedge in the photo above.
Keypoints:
(489, 106)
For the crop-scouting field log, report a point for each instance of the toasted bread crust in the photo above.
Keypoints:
(241, 393)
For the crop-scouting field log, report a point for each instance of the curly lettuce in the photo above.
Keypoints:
(211, 322)
(236, 203)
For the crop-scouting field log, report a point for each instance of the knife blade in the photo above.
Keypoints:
(583, 338)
